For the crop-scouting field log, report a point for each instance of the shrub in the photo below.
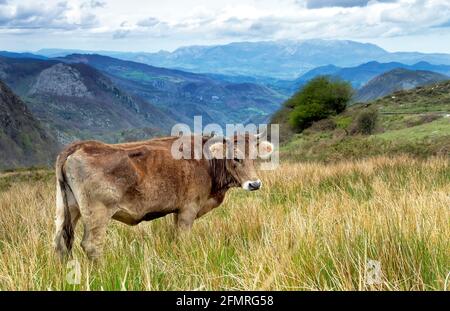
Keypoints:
(318, 99)
(323, 125)
(365, 122)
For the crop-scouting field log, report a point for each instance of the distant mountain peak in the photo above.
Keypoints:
(422, 63)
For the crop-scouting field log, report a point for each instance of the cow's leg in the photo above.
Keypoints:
(208, 206)
(95, 218)
(63, 245)
(211, 204)
(185, 218)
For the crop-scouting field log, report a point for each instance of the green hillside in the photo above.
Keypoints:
(415, 122)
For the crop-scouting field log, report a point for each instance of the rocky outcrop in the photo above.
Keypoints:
(60, 80)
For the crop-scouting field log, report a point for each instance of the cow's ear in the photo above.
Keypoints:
(265, 149)
(217, 150)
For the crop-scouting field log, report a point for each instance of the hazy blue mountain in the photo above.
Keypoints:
(328, 70)
(397, 80)
(60, 52)
(277, 59)
(21, 55)
(53, 53)
(360, 75)
(184, 94)
(76, 101)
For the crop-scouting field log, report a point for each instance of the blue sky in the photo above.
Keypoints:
(135, 25)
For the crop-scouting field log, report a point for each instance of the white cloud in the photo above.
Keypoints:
(93, 4)
(60, 15)
(171, 23)
(378, 18)
(121, 33)
(314, 4)
(149, 22)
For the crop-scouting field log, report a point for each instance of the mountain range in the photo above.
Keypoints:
(83, 96)
(21, 55)
(277, 59)
(184, 95)
(76, 101)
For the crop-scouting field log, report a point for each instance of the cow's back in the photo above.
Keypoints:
(138, 177)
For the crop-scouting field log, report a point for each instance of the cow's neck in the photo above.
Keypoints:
(221, 179)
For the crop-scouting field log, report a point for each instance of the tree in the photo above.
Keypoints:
(318, 99)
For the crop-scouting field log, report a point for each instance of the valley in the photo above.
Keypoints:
(184, 94)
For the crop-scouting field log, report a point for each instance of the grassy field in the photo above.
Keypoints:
(312, 227)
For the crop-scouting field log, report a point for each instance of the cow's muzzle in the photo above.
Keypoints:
(252, 185)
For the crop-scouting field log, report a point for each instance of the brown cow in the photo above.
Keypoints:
(140, 181)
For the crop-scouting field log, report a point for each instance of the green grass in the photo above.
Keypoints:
(11, 177)
(432, 130)
(343, 121)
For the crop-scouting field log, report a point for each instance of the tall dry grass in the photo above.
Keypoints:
(311, 227)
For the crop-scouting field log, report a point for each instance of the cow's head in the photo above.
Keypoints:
(239, 154)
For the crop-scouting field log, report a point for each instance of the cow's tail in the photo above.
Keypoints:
(64, 235)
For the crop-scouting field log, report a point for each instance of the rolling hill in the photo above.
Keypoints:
(23, 140)
(396, 80)
(184, 94)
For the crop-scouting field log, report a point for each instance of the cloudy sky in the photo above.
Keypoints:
(151, 25)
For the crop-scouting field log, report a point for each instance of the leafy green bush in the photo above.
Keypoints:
(318, 99)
